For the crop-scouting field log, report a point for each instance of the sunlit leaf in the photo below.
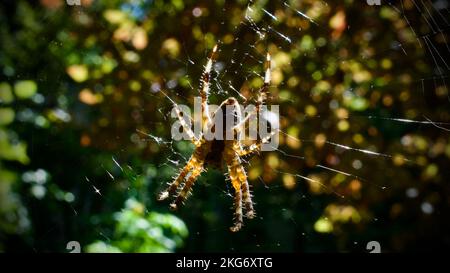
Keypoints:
(115, 16)
(88, 97)
(6, 95)
(172, 47)
(289, 181)
(358, 103)
(25, 89)
(323, 225)
(6, 116)
(78, 73)
(101, 247)
(13, 151)
(307, 43)
(140, 40)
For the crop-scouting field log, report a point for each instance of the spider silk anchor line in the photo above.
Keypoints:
(218, 143)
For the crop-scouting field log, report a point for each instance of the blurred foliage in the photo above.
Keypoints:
(135, 232)
(83, 124)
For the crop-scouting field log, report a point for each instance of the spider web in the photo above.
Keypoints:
(350, 164)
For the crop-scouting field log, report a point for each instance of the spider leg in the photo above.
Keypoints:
(262, 96)
(245, 187)
(256, 147)
(186, 127)
(246, 195)
(239, 182)
(267, 79)
(182, 195)
(204, 91)
(171, 189)
(237, 211)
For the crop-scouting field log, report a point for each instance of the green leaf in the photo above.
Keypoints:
(359, 104)
(101, 247)
(78, 73)
(7, 177)
(25, 89)
(6, 116)
(13, 151)
(307, 43)
(6, 95)
(115, 16)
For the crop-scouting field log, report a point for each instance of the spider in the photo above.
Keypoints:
(216, 152)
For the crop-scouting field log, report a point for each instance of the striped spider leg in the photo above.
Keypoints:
(232, 157)
(194, 166)
(262, 98)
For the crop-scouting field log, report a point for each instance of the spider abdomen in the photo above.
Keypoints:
(215, 155)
